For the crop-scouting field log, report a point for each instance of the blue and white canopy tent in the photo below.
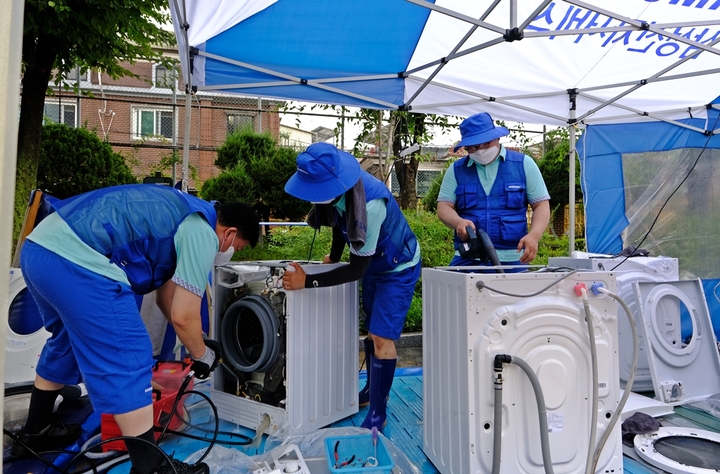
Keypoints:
(555, 62)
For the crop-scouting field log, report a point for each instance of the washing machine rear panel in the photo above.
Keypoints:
(447, 389)
(465, 328)
(628, 271)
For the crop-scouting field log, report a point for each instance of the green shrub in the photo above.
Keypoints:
(242, 146)
(429, 201)
(75, 160)
(436, 240)
(256, 171)
(232, 185)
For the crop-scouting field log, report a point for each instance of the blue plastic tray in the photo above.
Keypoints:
(360, 446)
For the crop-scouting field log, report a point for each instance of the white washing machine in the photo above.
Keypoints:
(465, 327)
(289, 355)
(26, 335)
(683, 371)
(628, 271)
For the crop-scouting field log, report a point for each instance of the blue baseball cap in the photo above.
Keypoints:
(478, 129)
(323, 173)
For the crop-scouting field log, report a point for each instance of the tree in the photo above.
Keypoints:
(255, 172)
(390, 132)
(59, 35)
(402, 130)
(75, 160)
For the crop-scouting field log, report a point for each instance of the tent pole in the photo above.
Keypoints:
(174, 124)
(571, 169)
(186, 137)
(191, 52)
(11, 26)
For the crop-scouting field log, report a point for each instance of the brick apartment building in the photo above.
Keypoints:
(143, 118)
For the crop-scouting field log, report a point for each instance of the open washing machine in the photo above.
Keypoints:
(628, 271)
(465, 327)
(290, 358)
(26, 335)
(683, 370)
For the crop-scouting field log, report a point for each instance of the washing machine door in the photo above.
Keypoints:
(26, 335)
(682, 369)
(680, 450)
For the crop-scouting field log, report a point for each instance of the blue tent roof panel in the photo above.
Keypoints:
(315, 45)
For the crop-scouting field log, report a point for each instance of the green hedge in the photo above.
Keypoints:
(295, 243)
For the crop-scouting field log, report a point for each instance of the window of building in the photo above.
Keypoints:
(237, 122)
(164, 77)
(152, 123)
(61, 113)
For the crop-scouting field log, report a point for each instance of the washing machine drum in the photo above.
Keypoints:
(680, 450)
(249, 333)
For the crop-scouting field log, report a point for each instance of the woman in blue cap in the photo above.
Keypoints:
(384, 253)
(490, 189)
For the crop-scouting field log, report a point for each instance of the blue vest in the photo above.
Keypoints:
(134, 226)
(396, 242)
(502, 214)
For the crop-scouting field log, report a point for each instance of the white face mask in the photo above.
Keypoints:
(323, 202)
(221, 258)
(485, 156)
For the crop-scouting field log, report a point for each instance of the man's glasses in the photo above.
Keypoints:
(474, 148)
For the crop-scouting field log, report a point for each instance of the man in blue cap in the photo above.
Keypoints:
(83, 265)
(490, 189)
(383, 252)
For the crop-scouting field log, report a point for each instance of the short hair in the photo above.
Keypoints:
(242, 217)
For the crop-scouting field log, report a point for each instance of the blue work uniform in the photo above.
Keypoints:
(389, 282)
(84, 265)
(495, 198)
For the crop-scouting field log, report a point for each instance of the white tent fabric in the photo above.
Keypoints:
(626, 60)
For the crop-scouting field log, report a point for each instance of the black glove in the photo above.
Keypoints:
(204, 366)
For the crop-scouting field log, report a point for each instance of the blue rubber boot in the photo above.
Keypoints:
(364, 395)
(381, 379)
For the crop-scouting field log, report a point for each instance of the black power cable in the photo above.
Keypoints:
(181, 393)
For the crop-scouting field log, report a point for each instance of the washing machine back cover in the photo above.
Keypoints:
(683, 369)
(628, 271)
(312, 380)
(26, 335)
(465, 327)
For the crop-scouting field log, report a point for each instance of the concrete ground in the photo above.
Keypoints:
(409, 349)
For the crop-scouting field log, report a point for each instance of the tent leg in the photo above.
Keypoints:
(571, 169)
(571, 201)
(11, 22)
(186, 139)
